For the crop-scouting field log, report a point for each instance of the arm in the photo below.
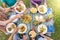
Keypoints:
(48, 38)
(45, 3)
(33, 2)
(11, 37)
(10, 20)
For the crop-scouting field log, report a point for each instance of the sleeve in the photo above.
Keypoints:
(32, 2)
(3, 1)
(44, 1)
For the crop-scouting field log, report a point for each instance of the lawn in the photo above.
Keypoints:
(55, 5)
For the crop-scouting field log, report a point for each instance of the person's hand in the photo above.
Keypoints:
(12, 9)
(45, 4)
(6, 10)
(19, 15)
(36, 5)
(24, 37)
(15, 30)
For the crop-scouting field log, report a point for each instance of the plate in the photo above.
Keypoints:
(20, 6)
(9, 27)
(33, 10)
(22, 28)
(42, 9)
(32, 34)
(42, 28)
(12, 17)
(40, 18)
(26, 19)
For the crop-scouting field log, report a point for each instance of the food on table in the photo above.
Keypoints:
(35, 22)
(19, 8)
(40, 18)
(42, 9)
(32, 34)
(26, 19)
(42, 28)
(11, 27)
(22, 28)
(33, 10)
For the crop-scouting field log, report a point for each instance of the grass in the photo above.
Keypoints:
(55, 5)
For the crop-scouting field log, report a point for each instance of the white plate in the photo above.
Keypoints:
(40, 18)
(22, 10)
(8, 26)
(44, 27)
(24, 26)
(12, 17)
(45, 9)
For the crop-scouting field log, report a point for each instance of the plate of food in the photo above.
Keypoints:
(10, 27)
(40, 18)
(42, 28)
(12, 17)
(32, 34)
(33, 10)
(22, 28)
(42, 9)
(20, 8)
(26, 18)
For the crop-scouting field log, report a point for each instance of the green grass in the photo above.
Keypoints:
(55, 5)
